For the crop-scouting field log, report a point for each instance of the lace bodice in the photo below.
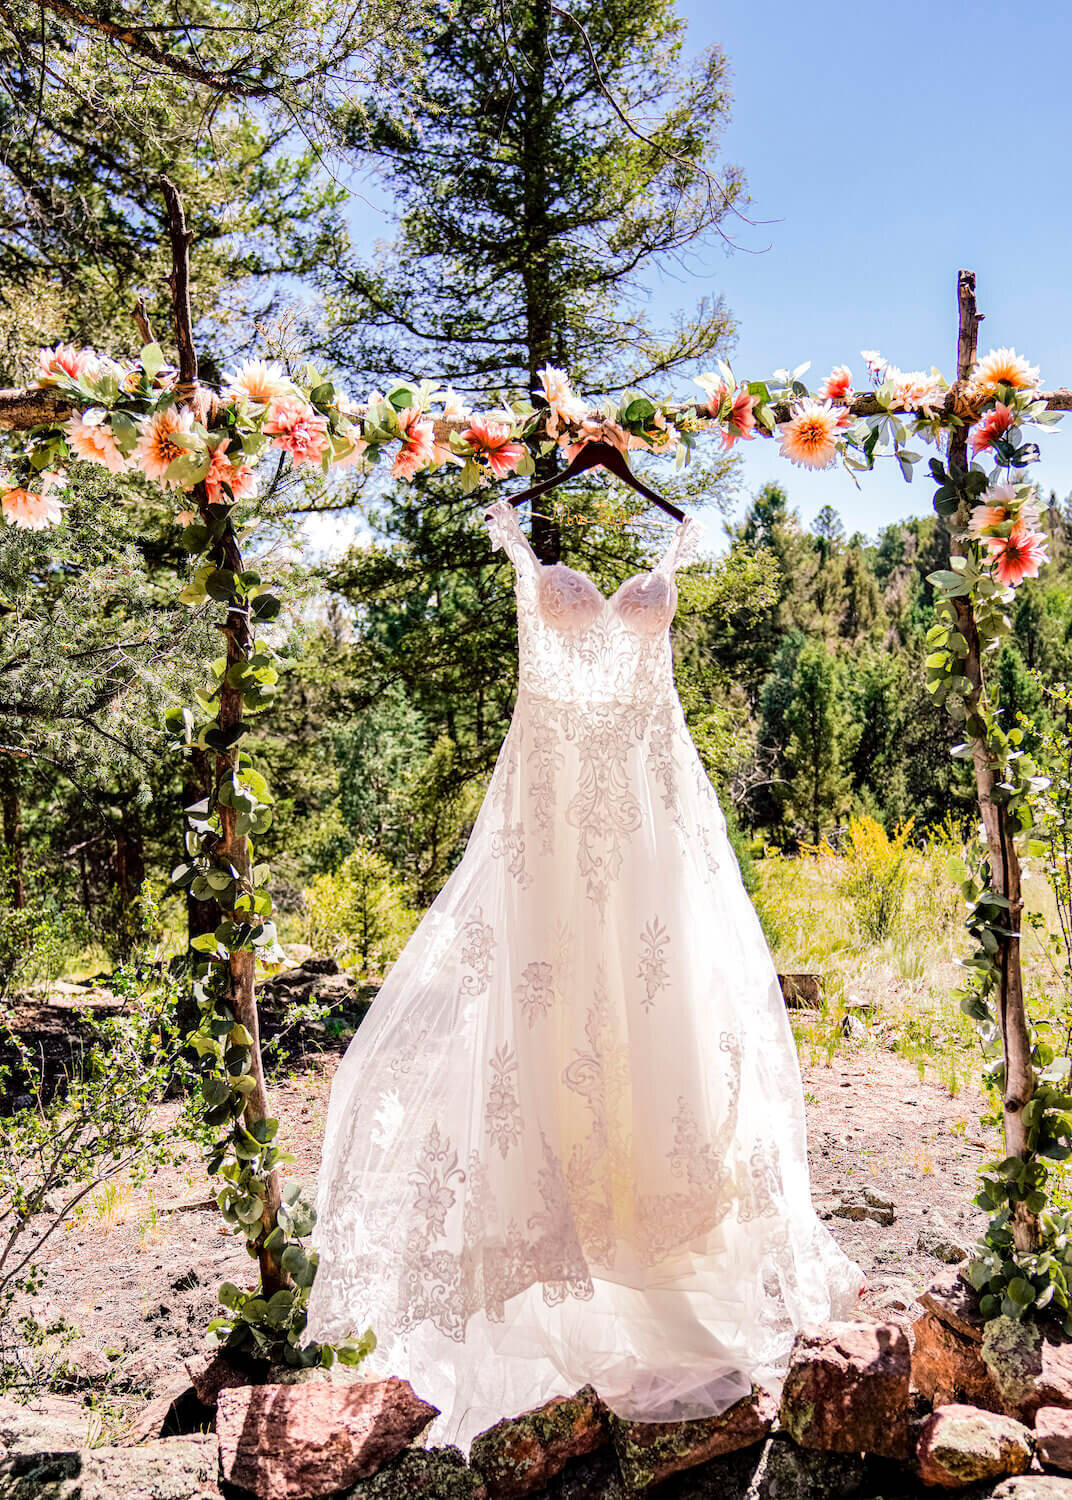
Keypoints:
(575, 645)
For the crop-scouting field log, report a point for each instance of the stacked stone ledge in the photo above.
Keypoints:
(865, 1412)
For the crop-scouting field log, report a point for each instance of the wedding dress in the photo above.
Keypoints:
(567, 1144)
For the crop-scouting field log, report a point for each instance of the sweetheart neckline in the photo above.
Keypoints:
(606, 598)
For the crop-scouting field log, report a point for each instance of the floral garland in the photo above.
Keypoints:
(137, 418)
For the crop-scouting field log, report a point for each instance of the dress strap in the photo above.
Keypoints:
(683, 547)
(507, 536)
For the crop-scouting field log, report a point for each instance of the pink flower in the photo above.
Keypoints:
(64, 359)
(238, 478)
(741, 417)
(89, 437)
(418, 443)
(808, 438)
(493, 441)
(837, 385)
(297, 429)
(739, 421)
(915, 390)
(156, 450)
(32, 510)
(565, 407)
(1018, 555)
(258, 381)
(992, 426)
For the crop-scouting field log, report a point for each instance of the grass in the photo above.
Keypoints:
(899, 984)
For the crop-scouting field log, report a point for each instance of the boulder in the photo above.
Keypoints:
(846, 1389)
(181, 1468)
(522, 1454)
(1030, 1365)
(948, 1367)
(421, 1474)
(1053, 1437)
(279, 1441)
(1031, 1487)
(211, 1373)
(50, 1424)
(962, 1445)
(152, 1420)
(649, 1452)
(952, 1299)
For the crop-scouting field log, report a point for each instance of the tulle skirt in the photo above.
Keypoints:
(567, 1145)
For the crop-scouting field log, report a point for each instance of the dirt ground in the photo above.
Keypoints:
(883, 1146)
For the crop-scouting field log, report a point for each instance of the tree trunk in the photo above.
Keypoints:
(546, 535)
(1004, 863)
(201, 916)
(233, 848)
(12, 811)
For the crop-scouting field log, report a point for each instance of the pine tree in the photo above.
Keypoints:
(817, 747)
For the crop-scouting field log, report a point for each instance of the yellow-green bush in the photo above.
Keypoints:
(359, 914)
(875, 878)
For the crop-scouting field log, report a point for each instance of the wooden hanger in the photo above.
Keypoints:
(597, 454)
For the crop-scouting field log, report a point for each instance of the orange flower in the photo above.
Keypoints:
(32, 510)
(494, 441)
(1003, 367)
(1017, 556)
(94, 441)
(808, 439)
(156, 451)
(993, 425)
(257, 380)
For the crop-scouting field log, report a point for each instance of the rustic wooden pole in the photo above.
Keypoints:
(1004, 862)
(232, 847)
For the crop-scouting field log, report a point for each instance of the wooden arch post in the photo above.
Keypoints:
(1004, 861)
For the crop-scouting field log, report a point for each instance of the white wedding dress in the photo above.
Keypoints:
(567, 1144)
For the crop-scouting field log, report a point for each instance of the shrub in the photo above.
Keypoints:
(875, 879)
(360, 913)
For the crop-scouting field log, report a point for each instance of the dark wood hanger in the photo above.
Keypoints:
(598, 454)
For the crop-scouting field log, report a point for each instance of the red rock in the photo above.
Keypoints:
(846, 1389)
(649, 1452)
(1030, 1365)
(150, 1420)
(950, 1298)
(525, 1453)
(959, 1445)
(1053, 1437)
(282, 1441)
(212, 1373)
(948, 1367)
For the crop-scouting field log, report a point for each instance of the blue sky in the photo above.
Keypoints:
(892, 146)
(886, 149)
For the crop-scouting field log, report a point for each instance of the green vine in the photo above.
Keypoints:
(1010, 1280)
